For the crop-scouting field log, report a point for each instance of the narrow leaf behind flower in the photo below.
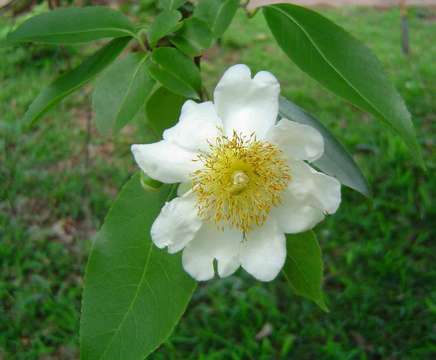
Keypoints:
(304, 267)
(336, 161)
(342, 64)
(121, 92)
(74, 79)
(74, 25)
(175, 71)
(134, 293)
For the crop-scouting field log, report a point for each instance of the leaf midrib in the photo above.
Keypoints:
(129, 87)
(175, 74)
(147, 262)
(116, 332)
(75, 33)
(195, 43)
(63, 94)
(218, 13)
(303, 277)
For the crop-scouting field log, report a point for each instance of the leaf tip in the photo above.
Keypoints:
(323, 306)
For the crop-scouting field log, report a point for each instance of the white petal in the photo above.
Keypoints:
(197, 125)
(314, 188)
(263, 253)
(247, 105)
(176, 224)
(297, 141)
(294, 215)
(165, 162)
(209, 244)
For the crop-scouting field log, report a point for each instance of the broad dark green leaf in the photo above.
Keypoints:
(304, 267)
(336, 160)
(165, 23)
(218, 14)
(170, 4)
(74, 79)
(162, 110)
(175, 71)
(120, 92)
(341, 63)
(193, 38)
(74, 25)
(134, 293)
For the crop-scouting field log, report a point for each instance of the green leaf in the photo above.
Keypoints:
(149, 184)
(193, 38)
(134, 293)
(74, 25)
(162, 110)
(163, 25)
(341, 63)
(74, 79)
(218, 14)
(336, 161)
(303, 268)
(121, 92)
(170, 4)
(175, 71)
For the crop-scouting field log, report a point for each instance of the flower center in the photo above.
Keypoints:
(241, 181)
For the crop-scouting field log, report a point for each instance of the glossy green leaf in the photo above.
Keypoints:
(304, 267)
(74, 79)
(134, 293)
(336, 161)
(175, 71)
(163, 110)
(193, 38)
(121, 92)
(170, 4)
(341, 63)
(218, 14)
(74, 25)
(165, 23)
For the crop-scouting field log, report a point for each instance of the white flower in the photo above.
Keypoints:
(244, 179)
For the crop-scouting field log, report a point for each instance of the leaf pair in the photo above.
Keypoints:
(123, 89)
(195, 34)
(68, 26)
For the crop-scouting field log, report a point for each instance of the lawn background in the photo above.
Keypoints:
(57, 184)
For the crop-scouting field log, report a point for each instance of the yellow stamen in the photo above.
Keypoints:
(241, 181)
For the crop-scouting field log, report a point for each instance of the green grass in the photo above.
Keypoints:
(379, 253)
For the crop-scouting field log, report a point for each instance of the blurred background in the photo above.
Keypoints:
(58, 179)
